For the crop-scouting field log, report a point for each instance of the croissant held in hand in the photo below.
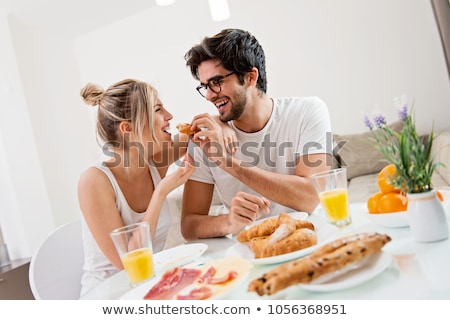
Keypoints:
(185, 128)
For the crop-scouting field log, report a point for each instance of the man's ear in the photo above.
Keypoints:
(125, 127)
(252, 76)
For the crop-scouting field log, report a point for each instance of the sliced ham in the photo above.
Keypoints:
(208, 274)
(171, 283)
(222, 280)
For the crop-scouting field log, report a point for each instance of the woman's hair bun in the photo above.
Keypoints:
(92, 94)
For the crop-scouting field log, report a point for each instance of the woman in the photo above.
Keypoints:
(132, 184)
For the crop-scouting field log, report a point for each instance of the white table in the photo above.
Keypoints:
(418, 271)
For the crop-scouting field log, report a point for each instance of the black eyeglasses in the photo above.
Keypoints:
(214, 84)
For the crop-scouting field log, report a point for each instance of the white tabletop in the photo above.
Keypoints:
(418, 271)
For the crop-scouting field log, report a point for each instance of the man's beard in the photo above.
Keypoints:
(237, 108)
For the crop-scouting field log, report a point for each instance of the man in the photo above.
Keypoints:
(282, 142)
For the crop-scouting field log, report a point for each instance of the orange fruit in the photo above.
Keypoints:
(384, 177)
(392, 202)
(440, 195)
(372, 202)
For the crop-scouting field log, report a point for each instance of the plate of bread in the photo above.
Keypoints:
(337, 265)
(281, 238)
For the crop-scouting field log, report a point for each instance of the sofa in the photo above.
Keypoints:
(363, 162)
(352, 151)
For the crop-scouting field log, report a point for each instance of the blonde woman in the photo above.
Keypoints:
(132, 185)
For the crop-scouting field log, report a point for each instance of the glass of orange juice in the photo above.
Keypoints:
(134, 245)
(331, 186)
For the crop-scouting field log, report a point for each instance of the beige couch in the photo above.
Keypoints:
(363, 162)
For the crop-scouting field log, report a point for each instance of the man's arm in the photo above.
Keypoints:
(196, 223)
(294, 191)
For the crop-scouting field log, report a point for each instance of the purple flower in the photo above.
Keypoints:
(379, 120)
(368, 123)
(403, 112)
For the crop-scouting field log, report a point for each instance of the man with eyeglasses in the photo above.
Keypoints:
(281, 141)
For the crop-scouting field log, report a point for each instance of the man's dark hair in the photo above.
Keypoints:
(237, 50)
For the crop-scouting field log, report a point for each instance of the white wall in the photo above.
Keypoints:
(352, 53)
(25, 215)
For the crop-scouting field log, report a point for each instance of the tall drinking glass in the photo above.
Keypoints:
(134, 245)
(331, 185)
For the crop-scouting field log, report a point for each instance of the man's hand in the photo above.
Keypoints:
(245, 209)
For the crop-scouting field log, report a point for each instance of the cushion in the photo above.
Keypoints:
(358, 154)
(441, 151)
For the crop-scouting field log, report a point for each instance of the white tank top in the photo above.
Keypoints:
(96, 266)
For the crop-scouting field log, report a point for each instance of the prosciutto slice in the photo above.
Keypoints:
(201, 293)
(171, 283)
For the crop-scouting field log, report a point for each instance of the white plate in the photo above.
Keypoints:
(223, 266)
(374, 265)
(325, 233)
(389, 220)
(178, 256)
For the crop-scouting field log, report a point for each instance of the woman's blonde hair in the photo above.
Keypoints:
(127, 100)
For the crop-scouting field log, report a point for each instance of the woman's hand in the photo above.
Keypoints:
(179, 176)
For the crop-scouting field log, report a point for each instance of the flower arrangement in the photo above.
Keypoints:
(410, 153)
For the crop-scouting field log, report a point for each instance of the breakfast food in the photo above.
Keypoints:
(279, 235)
(268, 227)
(297, 240)
(185, 128)
(199, 282)
(329, 258)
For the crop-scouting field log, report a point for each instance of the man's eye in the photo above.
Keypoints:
(216, 82)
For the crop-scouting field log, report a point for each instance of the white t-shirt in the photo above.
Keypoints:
(297, 126)
(96, 266)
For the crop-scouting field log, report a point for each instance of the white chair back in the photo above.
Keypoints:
(56, 268)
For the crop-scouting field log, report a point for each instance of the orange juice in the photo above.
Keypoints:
(138, 265)
(335, 204)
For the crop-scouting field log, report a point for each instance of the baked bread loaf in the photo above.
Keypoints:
(185, 128)
(329, 258)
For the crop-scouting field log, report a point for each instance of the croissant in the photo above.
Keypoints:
(299, 239)
(185, 128)
(268, 227)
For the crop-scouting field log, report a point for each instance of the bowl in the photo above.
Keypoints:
(390, 220)
(399, 219)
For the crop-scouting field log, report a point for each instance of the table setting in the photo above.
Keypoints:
(401, 269)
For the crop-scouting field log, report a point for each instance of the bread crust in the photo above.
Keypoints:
(298, 240)
(185, 128)
(328, 258)
(268, 226)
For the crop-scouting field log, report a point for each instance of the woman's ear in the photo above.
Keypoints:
(125, 127)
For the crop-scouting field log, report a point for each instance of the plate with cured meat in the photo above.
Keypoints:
(269, 241)
(210, 280)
